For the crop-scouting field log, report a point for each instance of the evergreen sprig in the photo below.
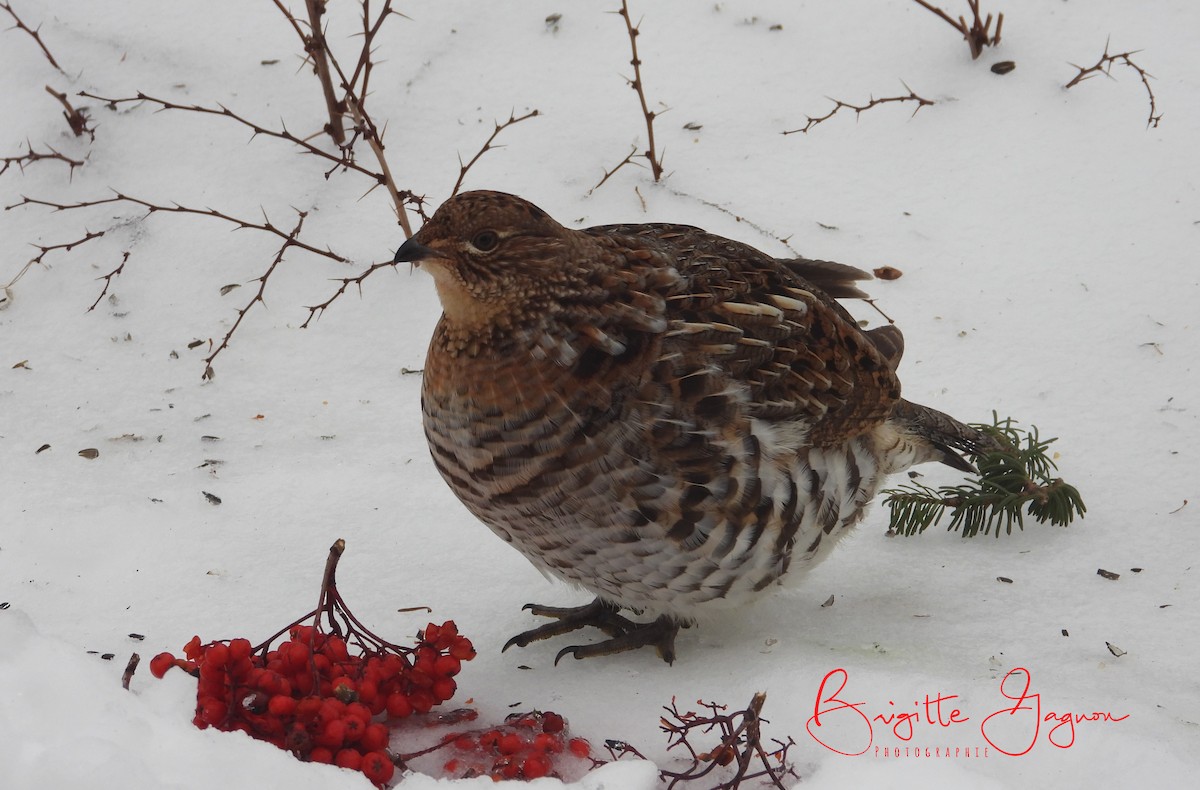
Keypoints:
(1013, 482)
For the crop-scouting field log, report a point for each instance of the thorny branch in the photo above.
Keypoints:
(34, 33)
(651, 153)
(290, 241)
(354, 99)
(978, 33)
(108, 280)
(487, 146)
(345, 160)
(76, 119)
(1104, 66)
(31, 156)
(609, 173)
(318, 50)
(264, 226)
(740, 745)
(315, 311)
(45, 250)
(838, 104)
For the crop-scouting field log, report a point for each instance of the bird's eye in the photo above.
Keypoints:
(485, 240)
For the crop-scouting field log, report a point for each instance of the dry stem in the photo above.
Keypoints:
(487, 146)
(1104, 66)
(76, 119)
(108, 280)
(290, 241)
(636, 83)
(345, 159)
(315, 311)
(354, 100)
(628, 160)
(838, 104)
(31, 156)
(264, 226)
(130, 667)
(34, 33)
(978, 33)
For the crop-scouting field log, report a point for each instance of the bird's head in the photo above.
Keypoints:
(496, 259)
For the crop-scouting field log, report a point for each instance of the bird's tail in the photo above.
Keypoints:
(940, 436)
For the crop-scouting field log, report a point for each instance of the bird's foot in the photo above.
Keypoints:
(624, 634)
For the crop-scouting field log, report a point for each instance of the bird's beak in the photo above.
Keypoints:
(412, 251)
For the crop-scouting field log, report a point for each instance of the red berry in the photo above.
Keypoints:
(374, 738)
(354, 727)
(281, 706)
(431, 633)
(510, 744)
(297, 656)
(161, 663)
(535, 766)
(193, 649)
(217, 655)
(399, 706)
(422, 701)
(552, 722)
(447, 666)
(443, 689)
(321, 755)
(348, 758)
(333, 735)
(239, 648)
(377, 767)
(462, 649)
(308, 708)
(359, 711)
(546, 742)
(368, 690)
(335, 648)
(214, 711)
(579, 747)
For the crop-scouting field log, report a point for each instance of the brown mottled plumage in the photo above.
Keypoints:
(667, 418)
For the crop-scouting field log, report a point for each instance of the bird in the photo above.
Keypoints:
(673, 421)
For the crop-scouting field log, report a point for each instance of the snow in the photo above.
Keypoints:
(1048, 242)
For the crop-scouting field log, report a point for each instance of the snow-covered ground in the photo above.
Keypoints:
(1048, 241)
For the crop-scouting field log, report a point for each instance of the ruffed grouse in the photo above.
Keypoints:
(669, 419)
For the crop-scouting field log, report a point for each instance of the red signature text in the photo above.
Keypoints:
(843, 724)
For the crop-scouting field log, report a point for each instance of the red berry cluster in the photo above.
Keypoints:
(526, 746)
(312, 696)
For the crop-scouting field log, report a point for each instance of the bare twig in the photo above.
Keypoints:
(264, 226)
(838, 104)
(628, 160)
(353, 104)
(487, 146)
(31, 156)
(76, 119)
(315, 311)
(130, 667)
(344, 160)
(1104, 66)
(978, 34)
(45, 250)
(740, 745)
(108, 280)
(636, 83)
(32, 32)
(290, 241)
(318, 50)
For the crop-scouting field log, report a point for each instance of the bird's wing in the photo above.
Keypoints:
(751, 334)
